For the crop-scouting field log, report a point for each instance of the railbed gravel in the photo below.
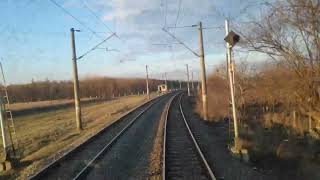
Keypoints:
(182, 158)
(129, 157)
(212, 139)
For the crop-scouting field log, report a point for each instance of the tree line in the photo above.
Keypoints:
(100, 87)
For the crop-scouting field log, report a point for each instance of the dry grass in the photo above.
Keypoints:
(273, 109)
(217, 98)
(44, 136)
(37, 104)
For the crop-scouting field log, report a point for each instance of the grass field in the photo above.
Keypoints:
(45, 135)
(37, 104)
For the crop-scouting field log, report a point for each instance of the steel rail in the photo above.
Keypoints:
(205, 162)
(199, 152)
(69, 153)
(90, 164)
(165, 139)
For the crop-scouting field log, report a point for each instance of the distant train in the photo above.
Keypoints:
(162, 88)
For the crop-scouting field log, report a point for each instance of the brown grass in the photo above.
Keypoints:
(44, 136)
(37, 104)
(217, 98)
(273, 115)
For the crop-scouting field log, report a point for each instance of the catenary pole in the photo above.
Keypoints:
(203, 76)
(192, 83)
(165, 80)
(188, 80)
(3, 131)
(147, 81)
(231, 83)
(3, 119)
(76, 82)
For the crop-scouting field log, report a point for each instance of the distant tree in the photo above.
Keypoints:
(101, 87)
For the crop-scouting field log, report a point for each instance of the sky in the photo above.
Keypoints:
(35, 37)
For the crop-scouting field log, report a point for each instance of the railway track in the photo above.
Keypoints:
(78, 162)
(182, 156)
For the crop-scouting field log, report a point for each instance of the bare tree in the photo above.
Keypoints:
(289, 33)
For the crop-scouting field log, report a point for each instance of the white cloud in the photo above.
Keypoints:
(120, 14)
(125, 9)
(139, 22)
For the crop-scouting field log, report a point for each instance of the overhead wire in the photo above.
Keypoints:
(165, 13)
(175, 24)
(95, 47)
(183, 44)
(75, 18)
(178, 13)
(98, 18)
(176, 27)
(109, 29)
(87, 27)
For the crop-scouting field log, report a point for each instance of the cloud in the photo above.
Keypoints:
(119, 14)
(139, 22)
(125, 9)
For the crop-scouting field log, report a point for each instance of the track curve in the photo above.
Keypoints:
(182, 156)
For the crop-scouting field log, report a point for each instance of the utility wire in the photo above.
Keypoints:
(178, 14)
(95, 15)
(214, 27)
(165, 13)
(183, 44)
(219, 12)
(75, 18)
(95, 47)
(164, 44)
(87, 27)
(177, 27)
(98, 18)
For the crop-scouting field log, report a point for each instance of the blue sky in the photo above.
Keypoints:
(35, 37)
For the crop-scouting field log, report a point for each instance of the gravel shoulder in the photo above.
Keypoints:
(155, 168)
(213, 140)
(129, 157)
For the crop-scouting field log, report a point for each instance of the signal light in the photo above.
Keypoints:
(232, 38)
